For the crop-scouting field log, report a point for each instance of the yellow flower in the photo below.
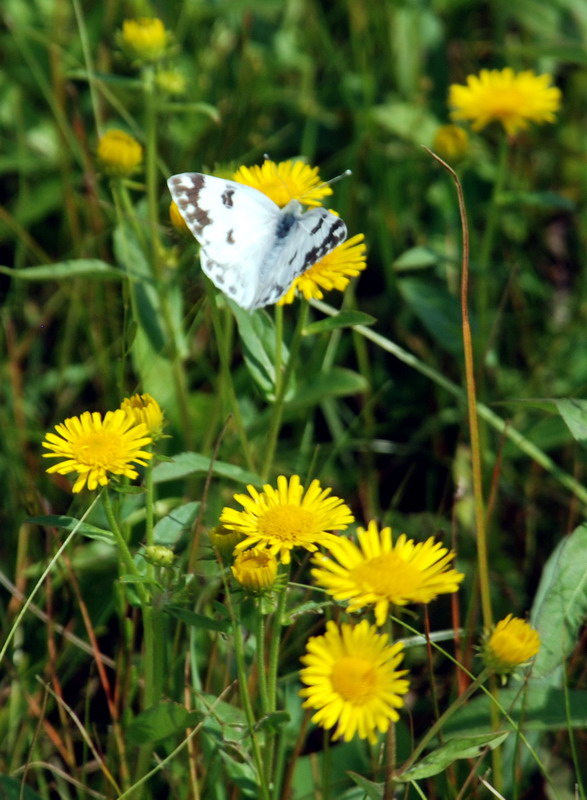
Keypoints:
(511, 644)
(334, 271)
(503, 96)
(144, 408)
(225, 541)
(95, 447)
(287, 517)
(144, 39)
(380, 572)
(352, 679)
(119, 153)
(288, 180)
(255, 569)
(451, 142)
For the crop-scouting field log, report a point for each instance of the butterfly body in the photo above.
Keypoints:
(252, 249)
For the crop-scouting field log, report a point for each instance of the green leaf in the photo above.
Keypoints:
(344, 319)
(186, 464)
(416, 258)
(574, 413)
(197, 620)
(560, 604)
(441, 758)
(438, 310)
(168, 530)
(241, 773)
(257, 333)
(76, 268)
(374, 791)
(337, 382)
(11, 789)
(69, 523)
(192, 108)
(161, 721)
(536, 199)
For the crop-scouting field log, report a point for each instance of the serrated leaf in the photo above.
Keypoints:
(344, 319)
(198, 620)
(560, 604)
(186, 464)
(69, 523)
(168, 530)
(374, 791)
(460, 747)
(161, 721)
(416, 258)
(76, 268)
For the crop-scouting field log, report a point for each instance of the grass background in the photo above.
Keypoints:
(345, 85)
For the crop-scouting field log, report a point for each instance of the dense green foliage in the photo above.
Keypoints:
(101, 298)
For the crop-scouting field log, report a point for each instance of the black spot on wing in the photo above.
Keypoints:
(285, 224)
(318, 225)
(230, 236)
(226, 198)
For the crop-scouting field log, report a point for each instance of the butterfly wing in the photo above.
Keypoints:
(235, 225)
(307, 239)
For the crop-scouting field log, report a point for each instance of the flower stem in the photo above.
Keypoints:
(123, 551)
(260, 655)
(437, 726)
(281, 389)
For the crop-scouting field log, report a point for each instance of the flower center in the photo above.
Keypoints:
(98, 449)
(354, 679)
(386, 574)
(506, 104)
(287, 523)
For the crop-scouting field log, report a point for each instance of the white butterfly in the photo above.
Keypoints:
(252, 249)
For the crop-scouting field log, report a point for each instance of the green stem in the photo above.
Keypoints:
(484, 280)
(274, 664)
(243, 686)
(280, 392)
(227, 378)
(151, 163)
(260, 656)
(123, 551)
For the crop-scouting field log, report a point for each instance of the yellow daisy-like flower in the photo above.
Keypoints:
(255, 569)
(451, 142)
(287, 517)
(95, 447)
(288, 180)
(145, 38)
(380, 572)
(119, 153)
(334, 271)
(511, 644)
(503, 96)
(352, 679)
(144, 408)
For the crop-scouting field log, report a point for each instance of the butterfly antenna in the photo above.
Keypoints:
(337, 178)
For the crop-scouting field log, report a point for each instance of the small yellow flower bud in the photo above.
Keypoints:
(144, 39)
(119, 153)
(177, 220)
(451, 142)
(170, 81)
(225, 541)
(255, 569)
(510, 644)
(159, 555)
(144, 408)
